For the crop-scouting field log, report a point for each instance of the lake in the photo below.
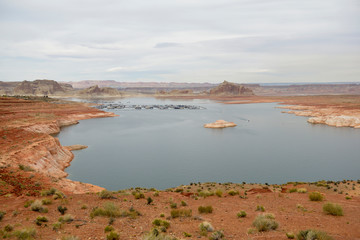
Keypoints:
(167, 148)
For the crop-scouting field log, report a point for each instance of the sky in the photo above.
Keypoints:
(243, 41)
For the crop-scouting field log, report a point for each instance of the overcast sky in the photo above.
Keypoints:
(249, 41)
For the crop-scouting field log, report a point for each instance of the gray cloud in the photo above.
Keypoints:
(160, 40)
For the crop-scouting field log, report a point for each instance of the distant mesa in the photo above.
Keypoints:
(231, 89)
(220, 124)
(96, 91)
(41, 88)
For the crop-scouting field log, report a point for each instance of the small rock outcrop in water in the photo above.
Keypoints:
(231, 89)
(220, 124)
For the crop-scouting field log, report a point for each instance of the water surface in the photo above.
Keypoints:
(167, 148)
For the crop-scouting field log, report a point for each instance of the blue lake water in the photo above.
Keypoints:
(167, 148)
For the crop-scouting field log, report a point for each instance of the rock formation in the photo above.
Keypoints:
(220, 124)
(231, 89)
(96, 91)
(40, 88)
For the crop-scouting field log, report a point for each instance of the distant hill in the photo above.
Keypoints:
(231, 89)
(41, 88)
(96, 91)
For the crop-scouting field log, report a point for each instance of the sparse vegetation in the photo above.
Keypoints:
(219, 192)
(25, 233)
(149, 200)
(216, 235)
(181, 213)
(316, 196)
(156, 235)
(110, 210)
(40, 220)
(302, 190)
(241, 214)
(66, 219)
(161, 223)
(290, 235)
(265, 223)
(70, 238)
(205, 209)
(109, 228)
(37, 206)
(2, 214)
(46, 201)
(113, 236)
(205, 227)
(333, 209)
(49, 192)
(138, 195)
(313, 234)
(183, 203)
(260, 208)
(105, 194)
(62, 209)
(232, 192)
(26, 168)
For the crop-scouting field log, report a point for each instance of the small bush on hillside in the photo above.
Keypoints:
(62, 209)
(302, 190)
(40, 220)
(26, 168)
(105, 194)
(312, 235)
(183, 203)
(58, 195)
(37, 206)
(49, 192)
(46, 201)
(109, 228)
(181, 213)
(316, 196)
(290, 235)
(265, 223)
(156, 235)
(8, 228)
(66, 219)
(216, 235)
(2, 214)
(260, 208)
(70, 238)
(205, 209)
(138, 195)
(232, 192)
(149, 200)
(113, 236)
(241, 214)
(219, 193)
(206, 227)
(173, 205)
(291, 190)
(161, 223)
(25, 234)
(333, 209)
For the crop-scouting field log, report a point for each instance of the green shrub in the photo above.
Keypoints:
(113, 236)
(173, 205)
(183, 203)
(28, 203)
(187, 234)
(161, 223)
(2, 214)
(46, 201)
(260, 208)
(84, 206)
(62, 209)
(66, 219)
(312, 235)
(241, 214)
(219, 193)
(333, 209)
(26, 168)
(205, 209)
(8, 228)
(232, 192)
(316, 196)
(40, 220)
(105, 194)
(56, 226)
(37, 206)
(110, 210)
(216, 235)
(205, 227)
(70, 238)
(138, 195)
(109, 228)
(290, 235)
(181, 213)
(265, 223)
(149, 200)
(302, 190)
(49, 192)
(58, 195)
(291, 190)
(156, 235)
(25, 234)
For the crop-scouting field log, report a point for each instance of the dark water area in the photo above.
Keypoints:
(167, 148)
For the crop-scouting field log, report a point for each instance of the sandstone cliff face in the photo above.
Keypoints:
(96, 91)
(231, 89)
(40, 88)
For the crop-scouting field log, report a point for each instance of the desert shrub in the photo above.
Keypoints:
(25, 233)
(56, 226)
(260, 208)
(183, 203)
(113, 236)
(105, 194)
(49, 192)
(316, 196)
(110, 210)
(58, 195)
(216, 235)
(291, 190)
(62, 209)
(205, 209)
(206, 227)
(232, 192)
(241, 214)
(66, 219)
(70, 238)
(219, 193)
(109, 228)
(333, 209)
(265, 223)
(26, 168)
(187, 234)
(161, 223)
(28, 203)
(312, 235)
(302, 190)
(205, 193)
(46, 201)
(181, 213)
(40, 220)
(173, 205)
(84, 206)
(138, 195)
(37, 206)
(2, 214)
(8, 228)
(149, 200)
(156, 235)
(290, 235)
